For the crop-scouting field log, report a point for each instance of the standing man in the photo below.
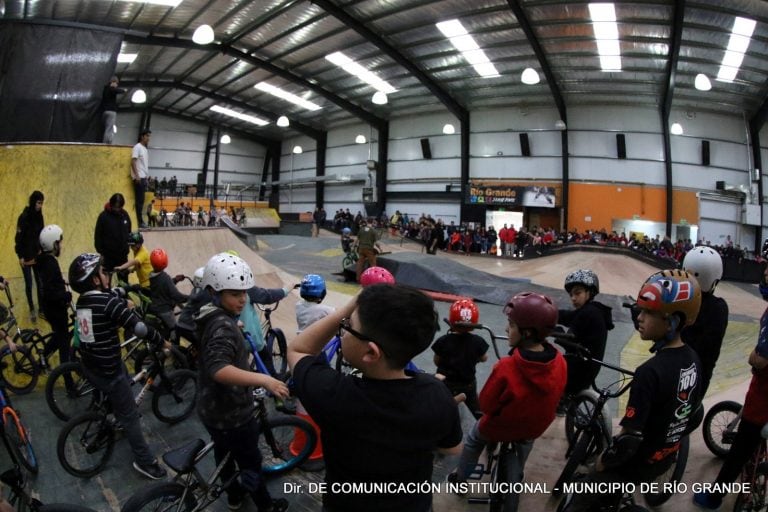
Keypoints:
(109, 108)
(28, 227)
(110, 237)
(140, 172)
(367, 242)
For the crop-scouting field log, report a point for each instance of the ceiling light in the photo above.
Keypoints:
(283, 122)
(225, 139)
(353, 68)
(239, 115)
(676, 129)
(379, 98)
(607, 35)
(448, 129)
(560, 124)
(530, 76)
(126, 58)
(203, 35)
(737, 46)
(167, 3)
(139, 96)
(297, 150)
(466, 44)
(287, 96)
(702, 82)
(360, 139)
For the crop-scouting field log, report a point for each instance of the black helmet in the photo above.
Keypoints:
(135, 238)
(81, 270)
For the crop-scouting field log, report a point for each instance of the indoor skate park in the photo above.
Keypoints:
(661, 137)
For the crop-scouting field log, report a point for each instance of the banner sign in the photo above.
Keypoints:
(514, 195)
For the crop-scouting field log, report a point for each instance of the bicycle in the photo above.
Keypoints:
(754, 480)
(720, 426)
(85, 443)
(19, 449)
(593, 433)
(191, 492)
(22, 363)
(275, 343)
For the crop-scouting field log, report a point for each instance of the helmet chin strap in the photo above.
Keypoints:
(670, 335)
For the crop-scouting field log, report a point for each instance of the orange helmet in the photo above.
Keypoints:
(669, 292)
(463, 311)
(159, 259)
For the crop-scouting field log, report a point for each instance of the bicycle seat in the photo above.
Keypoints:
(182, 459)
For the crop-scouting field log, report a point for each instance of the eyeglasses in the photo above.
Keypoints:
(344, 326)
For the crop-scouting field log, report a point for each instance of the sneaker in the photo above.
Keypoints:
(453, 479)
(707, 501)
(154, 471)
(278, 505)
(234, 501)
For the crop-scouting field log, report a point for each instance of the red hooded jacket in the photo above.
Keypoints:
(520, 398)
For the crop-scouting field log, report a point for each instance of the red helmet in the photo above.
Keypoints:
(532, 311)
(376, 275)
(463, 311)
(159, 259)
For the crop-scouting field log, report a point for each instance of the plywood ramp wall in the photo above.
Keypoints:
(594, 206)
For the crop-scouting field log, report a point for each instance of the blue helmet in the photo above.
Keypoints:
(346, 231)
(312, 287)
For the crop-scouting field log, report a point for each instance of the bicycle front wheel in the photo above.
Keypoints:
(578, 416)
(67, 392)
(85, 444)
(18, 369)
(277, 347)
(175, 397)
(280, 450)
(18, 439)
(161, 497)
(720, 425)
(673, 475)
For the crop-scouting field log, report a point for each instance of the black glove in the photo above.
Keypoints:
(178, 278)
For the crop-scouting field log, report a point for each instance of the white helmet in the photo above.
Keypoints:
(227, 272)
(197, 280)
(706, 264)
(49, 236)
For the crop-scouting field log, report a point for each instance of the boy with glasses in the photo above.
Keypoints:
(383, 428)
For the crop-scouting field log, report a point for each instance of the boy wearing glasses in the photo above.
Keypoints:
(380, 430)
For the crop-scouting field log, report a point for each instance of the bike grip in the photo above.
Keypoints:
(628, 305)
(140, 330)
(584, 352)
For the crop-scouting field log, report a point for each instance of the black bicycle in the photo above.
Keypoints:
(720, 426)
(275, 343)
(85, 443)
(588, 425)
(285, 443)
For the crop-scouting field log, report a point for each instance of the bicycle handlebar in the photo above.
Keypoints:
(586, 355)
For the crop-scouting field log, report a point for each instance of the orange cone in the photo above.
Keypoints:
(300, 440)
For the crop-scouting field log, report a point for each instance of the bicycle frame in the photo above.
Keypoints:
(194, 482)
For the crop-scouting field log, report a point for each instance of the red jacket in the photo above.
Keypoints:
(520, 398)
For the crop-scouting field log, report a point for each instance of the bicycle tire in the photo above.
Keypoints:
(18, 369)
(184, 397)
(276, 447)
(163, 496)
(72, 445)
(672, 475)
(18, 439)
(496, 497)
(66, 404)
(578, 415)
(578, 456)
(63, 507)
(715, 425)
(277, 346)
(753, 500)
(176, 359)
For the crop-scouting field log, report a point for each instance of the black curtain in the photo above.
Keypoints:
(51, 81)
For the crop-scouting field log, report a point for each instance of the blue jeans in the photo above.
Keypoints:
(474, 443)
(118, 390)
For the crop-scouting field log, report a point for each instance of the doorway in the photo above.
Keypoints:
(498, 219)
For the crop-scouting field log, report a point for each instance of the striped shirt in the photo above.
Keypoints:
(99, 316)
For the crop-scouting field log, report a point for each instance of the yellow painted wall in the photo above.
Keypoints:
(603, 203)
(77, 180)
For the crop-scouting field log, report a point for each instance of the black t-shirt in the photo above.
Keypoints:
(665, 393)
(377, 431)
(705, 336)
(459, 353)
